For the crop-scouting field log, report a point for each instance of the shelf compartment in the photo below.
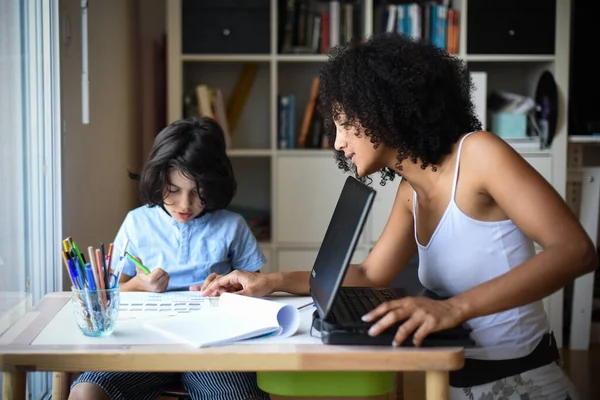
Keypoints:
(295, 80)
(252, 130)
(253, 196)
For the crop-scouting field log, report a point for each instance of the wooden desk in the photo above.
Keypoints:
(18, 356)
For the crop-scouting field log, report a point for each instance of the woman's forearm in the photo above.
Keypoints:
(298, 282)
(533, 280)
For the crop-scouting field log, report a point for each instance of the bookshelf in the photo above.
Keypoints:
(297, 188)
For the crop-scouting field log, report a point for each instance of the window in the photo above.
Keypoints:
(30, 217)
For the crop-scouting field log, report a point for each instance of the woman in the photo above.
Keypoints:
(468, 203)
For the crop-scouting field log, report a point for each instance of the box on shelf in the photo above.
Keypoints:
(509, 125)
(226, 27)
(511, 27)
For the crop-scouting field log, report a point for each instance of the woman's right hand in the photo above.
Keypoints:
(157, 281)
(239, 282)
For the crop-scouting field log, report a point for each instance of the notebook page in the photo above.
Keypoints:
(237, 318)
(144, 305)
(268, 312)
(209, 328)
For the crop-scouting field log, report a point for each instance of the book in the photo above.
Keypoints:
(236, 318)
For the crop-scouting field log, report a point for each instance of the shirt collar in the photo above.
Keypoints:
(163, 213)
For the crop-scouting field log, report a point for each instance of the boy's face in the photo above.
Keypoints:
(182, 199)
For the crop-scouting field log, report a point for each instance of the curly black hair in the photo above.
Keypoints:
(407, 94)
(196, 148)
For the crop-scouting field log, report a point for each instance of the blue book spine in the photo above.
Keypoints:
(291, 121)
(282, 110)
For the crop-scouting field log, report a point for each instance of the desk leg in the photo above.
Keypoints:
(60, 386)
(436, 385)
(14, 385)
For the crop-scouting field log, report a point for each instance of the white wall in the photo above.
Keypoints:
(150, 27)
(97, 192)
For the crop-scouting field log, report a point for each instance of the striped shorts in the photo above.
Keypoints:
(200, 385)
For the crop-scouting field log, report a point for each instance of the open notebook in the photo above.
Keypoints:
(236, 318)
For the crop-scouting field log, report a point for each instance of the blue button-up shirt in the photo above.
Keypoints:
(216, 242)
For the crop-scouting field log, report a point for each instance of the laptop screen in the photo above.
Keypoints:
(338, 245)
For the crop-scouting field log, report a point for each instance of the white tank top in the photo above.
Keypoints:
(463, 253)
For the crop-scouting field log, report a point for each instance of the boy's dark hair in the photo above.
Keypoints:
(406, 94)
(196, 148)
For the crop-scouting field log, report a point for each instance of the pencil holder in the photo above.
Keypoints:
(96, 311)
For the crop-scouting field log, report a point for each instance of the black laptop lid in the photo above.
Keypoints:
(338, 245)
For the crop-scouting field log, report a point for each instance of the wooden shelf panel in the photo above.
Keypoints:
(249, 152)
(305, 152)
(508, 58)
(584, 139)
(301, 57)
(226, 57)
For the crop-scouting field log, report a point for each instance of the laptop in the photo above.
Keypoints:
(339, 308)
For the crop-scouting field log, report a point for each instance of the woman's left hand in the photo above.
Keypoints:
(423, 316)
(209, 279)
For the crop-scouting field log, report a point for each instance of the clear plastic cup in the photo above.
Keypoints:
(96, 311)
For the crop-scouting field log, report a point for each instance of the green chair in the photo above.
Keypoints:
(327, 384)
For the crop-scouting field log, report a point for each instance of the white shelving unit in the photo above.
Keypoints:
(299, 187)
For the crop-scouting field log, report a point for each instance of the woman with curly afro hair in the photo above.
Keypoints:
(468, 204)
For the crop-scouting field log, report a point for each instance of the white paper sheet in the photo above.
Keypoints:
(62, 330)
(237, 318)
(142, 305)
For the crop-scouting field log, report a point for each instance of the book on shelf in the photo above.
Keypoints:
(312, 27)
(310, 134)
(207, 101)
(432, 21)
(236, 318)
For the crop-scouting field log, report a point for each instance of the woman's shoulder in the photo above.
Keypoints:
(482, 143)
(484, 148)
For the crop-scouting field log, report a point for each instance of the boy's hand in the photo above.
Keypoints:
(156, 281)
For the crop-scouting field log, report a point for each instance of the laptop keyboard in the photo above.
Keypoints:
(352, 303)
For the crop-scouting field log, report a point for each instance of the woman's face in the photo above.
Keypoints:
(357, 148)
(182, 199)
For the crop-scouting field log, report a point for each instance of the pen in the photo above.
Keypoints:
(68, 263)
(101, 278)
(79, 273)
(312, 303)
(136, 262)
(78, 253)
(117, 273)
(120, 264)
(94, 266)
(78, 283)
(104, 266)
(91, 282)
(90, 277)
(109, 261)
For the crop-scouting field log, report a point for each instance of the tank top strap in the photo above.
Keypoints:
(455, 182)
